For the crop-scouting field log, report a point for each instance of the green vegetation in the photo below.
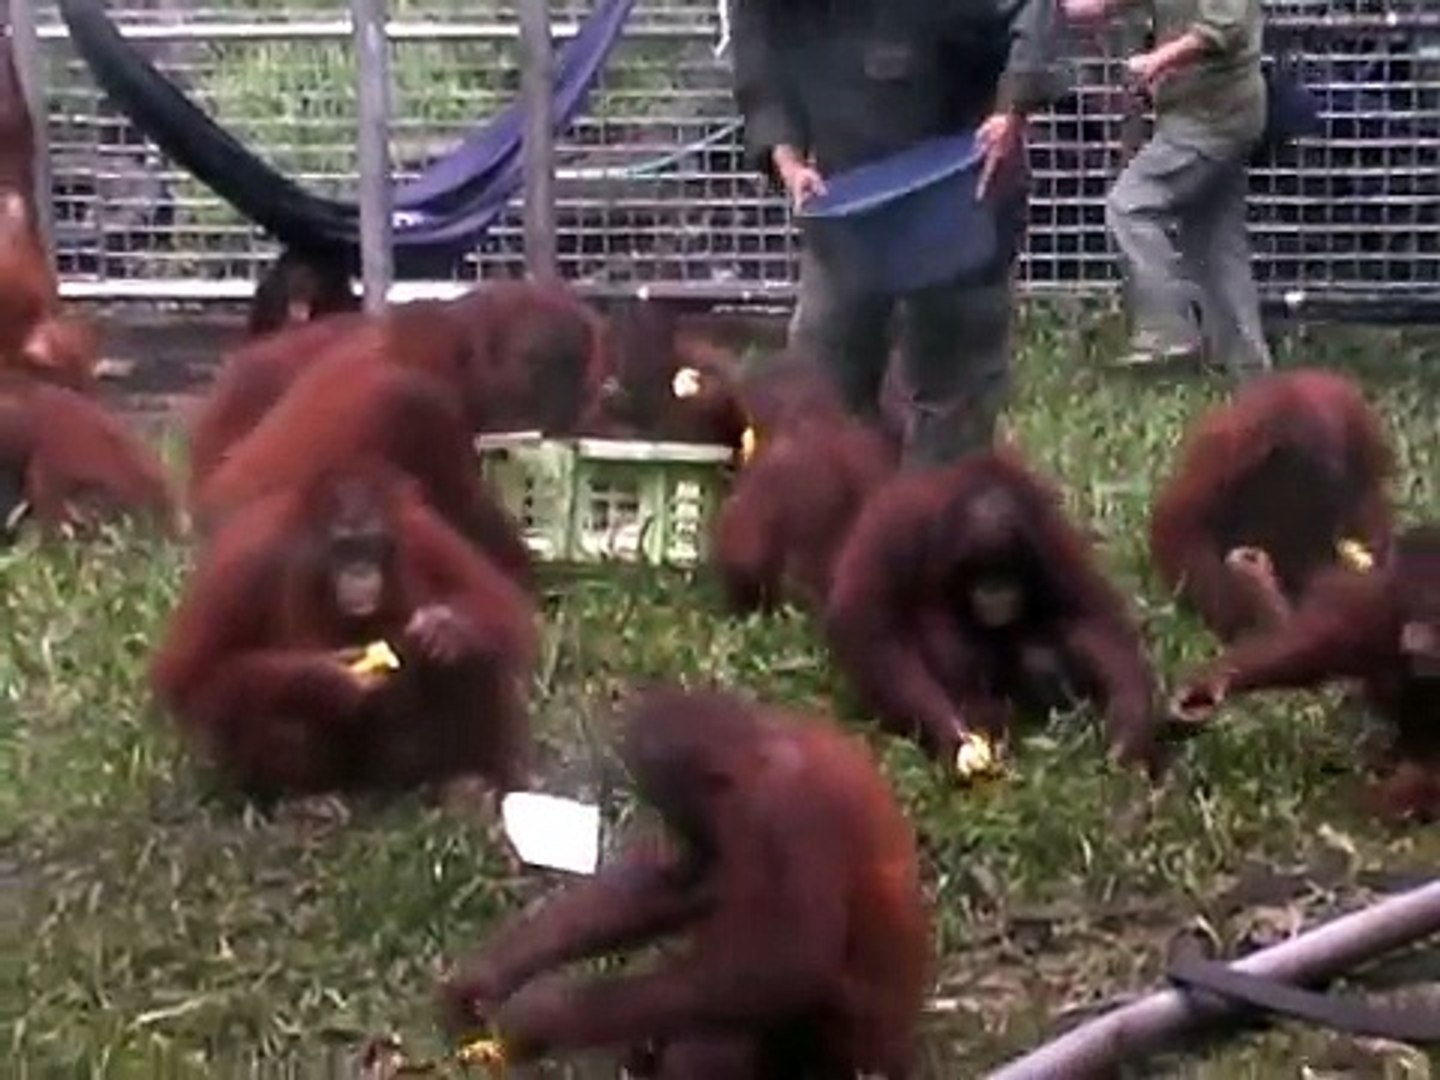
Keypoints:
(295, 100)
(161, 929)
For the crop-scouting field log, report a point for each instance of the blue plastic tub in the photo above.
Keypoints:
(906, 221)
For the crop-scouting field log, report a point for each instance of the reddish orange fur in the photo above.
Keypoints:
(516, 355)
(898, 615)
(1332, 487)
(37, 337)
(62, 348)
(344, 407)
(17, 128)
(251, 380)
(644, 351)
(69, 459)
(28, 291)
(796, 884)
(533, 355)
(781, 526)
(1410, 793)
(248, 668)
(786, 389)
(1348, 629)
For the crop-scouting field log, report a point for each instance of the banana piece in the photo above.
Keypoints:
(976, 758)
(748, 441)
(1355, 555)
(378, 657)
(488, 1052)
(686, 383)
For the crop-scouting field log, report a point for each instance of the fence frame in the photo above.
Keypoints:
(1423, 304)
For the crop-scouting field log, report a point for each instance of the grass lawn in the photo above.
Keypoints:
(162, 930)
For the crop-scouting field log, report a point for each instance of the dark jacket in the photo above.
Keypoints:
(849, 81)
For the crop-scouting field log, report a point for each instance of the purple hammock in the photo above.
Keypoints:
(438, 215)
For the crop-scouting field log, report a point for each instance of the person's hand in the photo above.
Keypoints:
(1083, 11)
(1002, 139)
(1148, 68)
(801, 179)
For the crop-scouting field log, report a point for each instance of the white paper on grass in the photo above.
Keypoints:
(549, 831)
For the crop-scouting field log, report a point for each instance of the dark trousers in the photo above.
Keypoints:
(1177, 213)
(954, 344)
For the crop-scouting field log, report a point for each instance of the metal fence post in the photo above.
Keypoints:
(372, 73)
(25, 39)
(537, 91)
(1133, 38)
(662, 194)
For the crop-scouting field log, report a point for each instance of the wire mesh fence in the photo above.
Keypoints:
(652, 187)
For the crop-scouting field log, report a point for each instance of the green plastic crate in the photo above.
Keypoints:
(597, 500)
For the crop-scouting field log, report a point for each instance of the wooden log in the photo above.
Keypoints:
(1150, 1024)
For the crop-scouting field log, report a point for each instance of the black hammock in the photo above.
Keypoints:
(437, 216)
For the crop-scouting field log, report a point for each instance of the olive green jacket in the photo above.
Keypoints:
(1218, 101)
(849, 81)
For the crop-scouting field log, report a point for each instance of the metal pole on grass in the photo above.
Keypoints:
(25, 39)
(372, 53)
(1148, 1025)
(537, 69)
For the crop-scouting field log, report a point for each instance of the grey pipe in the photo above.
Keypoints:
(1148, 1025)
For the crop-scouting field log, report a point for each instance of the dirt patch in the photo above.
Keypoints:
(163, 362)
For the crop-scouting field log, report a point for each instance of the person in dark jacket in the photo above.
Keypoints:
(826, 85)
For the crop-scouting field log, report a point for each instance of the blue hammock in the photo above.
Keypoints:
(438, 215)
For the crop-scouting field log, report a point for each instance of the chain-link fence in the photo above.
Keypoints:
(652, 188)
